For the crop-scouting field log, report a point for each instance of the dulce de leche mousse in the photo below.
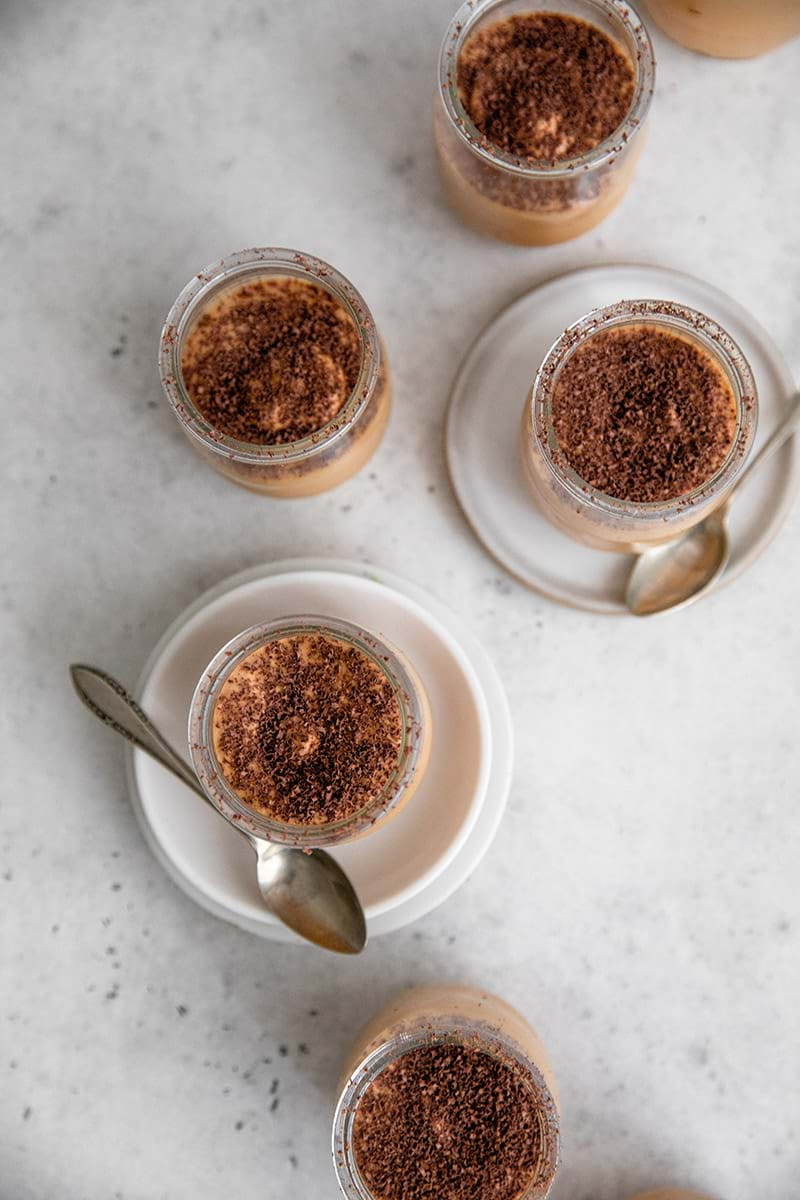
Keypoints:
(538, 127)
(450, 1122)
(273, 361)
(728, 28)
(544, 85)
(643, 414)
(307, 729)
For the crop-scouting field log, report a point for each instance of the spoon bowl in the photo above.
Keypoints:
(673, 575)
(306, 890)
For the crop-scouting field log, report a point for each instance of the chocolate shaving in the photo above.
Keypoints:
(448, 1122)
(273, 361)
(643, 414)
(307, 729)
(544, 86)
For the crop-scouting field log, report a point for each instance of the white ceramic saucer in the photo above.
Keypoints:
(483, 424)
(416, 861)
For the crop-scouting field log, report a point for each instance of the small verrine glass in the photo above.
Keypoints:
(728, 28)
(323, 459)
(434, 1015)
(540, 203)
(605, 522)
(407, 690)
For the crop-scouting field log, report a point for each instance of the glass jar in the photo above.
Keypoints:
(328, 456)
(590, 516)
(407, 690)
(441, 1013)
(504, 196)
(728, 28)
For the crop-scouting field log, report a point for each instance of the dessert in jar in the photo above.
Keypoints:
(447, 1092)
(539, 114)
(309, 731)
(638, 424)
(275, 370)
(728, 28)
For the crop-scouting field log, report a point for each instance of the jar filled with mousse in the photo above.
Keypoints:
(309, 731)
(272, 364)
(539, 114)
(638, 424)
(447, 1092)
(728, 28)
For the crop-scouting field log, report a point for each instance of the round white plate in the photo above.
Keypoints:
(485, 412)
(419, 858)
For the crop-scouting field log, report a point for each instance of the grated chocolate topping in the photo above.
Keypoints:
(273, 361)
(307, 729)
(643, 414)
(544, 86)
(448, 1122)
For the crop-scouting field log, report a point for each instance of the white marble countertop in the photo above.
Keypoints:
(641, 900)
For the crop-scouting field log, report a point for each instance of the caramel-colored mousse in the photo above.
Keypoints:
(643, 414)
(542, 87)
(272, 362)
(460, 1120)
(420, 1005)
(728, 28)
(450, 1121)
(307, 730)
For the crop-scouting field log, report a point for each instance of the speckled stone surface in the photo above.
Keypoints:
(641, 900)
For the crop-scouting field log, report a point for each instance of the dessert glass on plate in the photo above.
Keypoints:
(323, 458)
(397, 782)
(538, 202)
(603, 521)
(447, 1014)
(728, 28)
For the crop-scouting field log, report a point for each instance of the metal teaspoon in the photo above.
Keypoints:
(308, 892)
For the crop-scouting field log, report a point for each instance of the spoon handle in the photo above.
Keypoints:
(779, 435)
(114, 706)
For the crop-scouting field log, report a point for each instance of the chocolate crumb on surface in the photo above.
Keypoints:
(544, 86)
(272, 361)
(643, 414)
(448, 1122)
(307, 729)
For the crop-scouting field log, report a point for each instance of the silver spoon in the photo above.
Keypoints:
(675, 574)
(309, 892)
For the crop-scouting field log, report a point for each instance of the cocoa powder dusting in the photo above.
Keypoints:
(544, 86)
(642, 414)
(307, 729)
(448, 1122)
(273, 361)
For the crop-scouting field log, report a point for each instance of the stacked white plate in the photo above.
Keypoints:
(418, 859)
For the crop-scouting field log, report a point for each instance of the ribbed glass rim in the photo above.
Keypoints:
(406, 692)
(241, 267)
(644, 63)
(690, 323)
(440, 1031)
